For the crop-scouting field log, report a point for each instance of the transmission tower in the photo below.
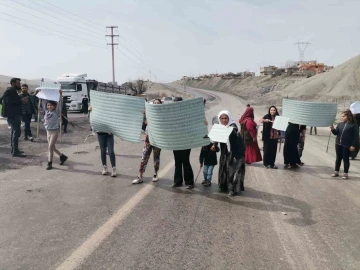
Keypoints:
(302, 46)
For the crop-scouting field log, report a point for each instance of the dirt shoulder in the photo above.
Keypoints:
(36, 151)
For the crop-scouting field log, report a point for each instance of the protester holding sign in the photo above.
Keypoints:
(249, 133)
(106, 143)
(182, 163)
(51, 123)
(347, 137)
(232, 158)
(148, 148)
(270, 138)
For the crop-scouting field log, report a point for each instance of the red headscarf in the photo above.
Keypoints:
(248, 114)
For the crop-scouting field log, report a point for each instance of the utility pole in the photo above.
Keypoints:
(150, 75)
(112, 47)
(185, 78)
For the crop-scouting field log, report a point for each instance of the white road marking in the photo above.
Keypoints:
(94, 240)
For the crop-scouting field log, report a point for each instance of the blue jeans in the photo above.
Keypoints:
(106, 141)
(208, 172)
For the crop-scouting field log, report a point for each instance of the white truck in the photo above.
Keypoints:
(75, 87)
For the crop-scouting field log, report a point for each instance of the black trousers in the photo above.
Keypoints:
(64, 123)
(27, 120)
(15, 124)
(311, 130)
(270, 149)
(342, 154)
(182, 162)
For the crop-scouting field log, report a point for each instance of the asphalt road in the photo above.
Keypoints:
(74, 218)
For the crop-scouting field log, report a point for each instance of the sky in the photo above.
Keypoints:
(172, 38)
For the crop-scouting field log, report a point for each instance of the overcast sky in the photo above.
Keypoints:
(171, 38)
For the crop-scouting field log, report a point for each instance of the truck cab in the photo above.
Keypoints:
(74, 88)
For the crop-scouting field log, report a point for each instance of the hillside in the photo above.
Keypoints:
(5, 82)
(341, 84)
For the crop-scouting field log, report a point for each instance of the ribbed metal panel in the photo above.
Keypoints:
(281, 123)
(177, 125)
(314, 114)
(119, 114)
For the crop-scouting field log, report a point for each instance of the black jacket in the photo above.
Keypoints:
(237, 145)
(11, 103)
(27, 108)
(347, 134)
(207, 156)
(267, 128)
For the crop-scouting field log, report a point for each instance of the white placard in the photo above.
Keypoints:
(49, 94)
(281, 123)
(220, 133)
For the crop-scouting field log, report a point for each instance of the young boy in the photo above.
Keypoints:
(208, 158)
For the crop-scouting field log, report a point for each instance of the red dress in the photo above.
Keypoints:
(252, 153)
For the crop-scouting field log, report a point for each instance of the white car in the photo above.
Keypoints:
(167, 100)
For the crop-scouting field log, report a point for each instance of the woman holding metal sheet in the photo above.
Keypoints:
(148, 148)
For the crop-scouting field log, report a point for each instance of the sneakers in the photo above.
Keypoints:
(49, 166)
(113, 172)
(155, 178)
(63, 158)
(104, 170)
(26, 138)
(9, 127)
(31, 139)
(207, 183)
(138, 180)
(18, 154)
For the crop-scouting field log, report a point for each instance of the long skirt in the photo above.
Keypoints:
(252, 153)
(231, 173)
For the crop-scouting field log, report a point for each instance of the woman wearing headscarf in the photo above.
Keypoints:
(270, 138)
(249, 134)
(291, 152)
(232, 161)
(148, 148)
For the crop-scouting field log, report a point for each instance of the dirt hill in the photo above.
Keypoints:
(341, 84)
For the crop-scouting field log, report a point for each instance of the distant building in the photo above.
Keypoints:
(291, 70)
(269, 70)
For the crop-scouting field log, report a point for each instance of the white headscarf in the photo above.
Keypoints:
(231, 121)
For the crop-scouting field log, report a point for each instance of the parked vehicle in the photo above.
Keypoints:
(75, 87)
(167, 100)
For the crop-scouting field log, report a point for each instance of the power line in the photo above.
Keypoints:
(29, 7)
(76, 15)
(50, 33)
(50, 21)
(48, 28)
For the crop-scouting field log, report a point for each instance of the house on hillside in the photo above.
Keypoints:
(269, 70)
(311, 68)
(291, 70)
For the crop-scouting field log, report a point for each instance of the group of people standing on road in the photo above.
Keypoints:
(347, 140)
(19, 107)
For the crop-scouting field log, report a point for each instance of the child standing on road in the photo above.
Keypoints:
(51, 123)
(208, 159)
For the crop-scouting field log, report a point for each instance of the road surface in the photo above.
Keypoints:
(74, 218)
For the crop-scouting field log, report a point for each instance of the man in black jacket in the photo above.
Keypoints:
(12, 110)
(27, 110)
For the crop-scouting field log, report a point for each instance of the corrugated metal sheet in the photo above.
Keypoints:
(314, 114)
(119, 114)
(177, 125)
